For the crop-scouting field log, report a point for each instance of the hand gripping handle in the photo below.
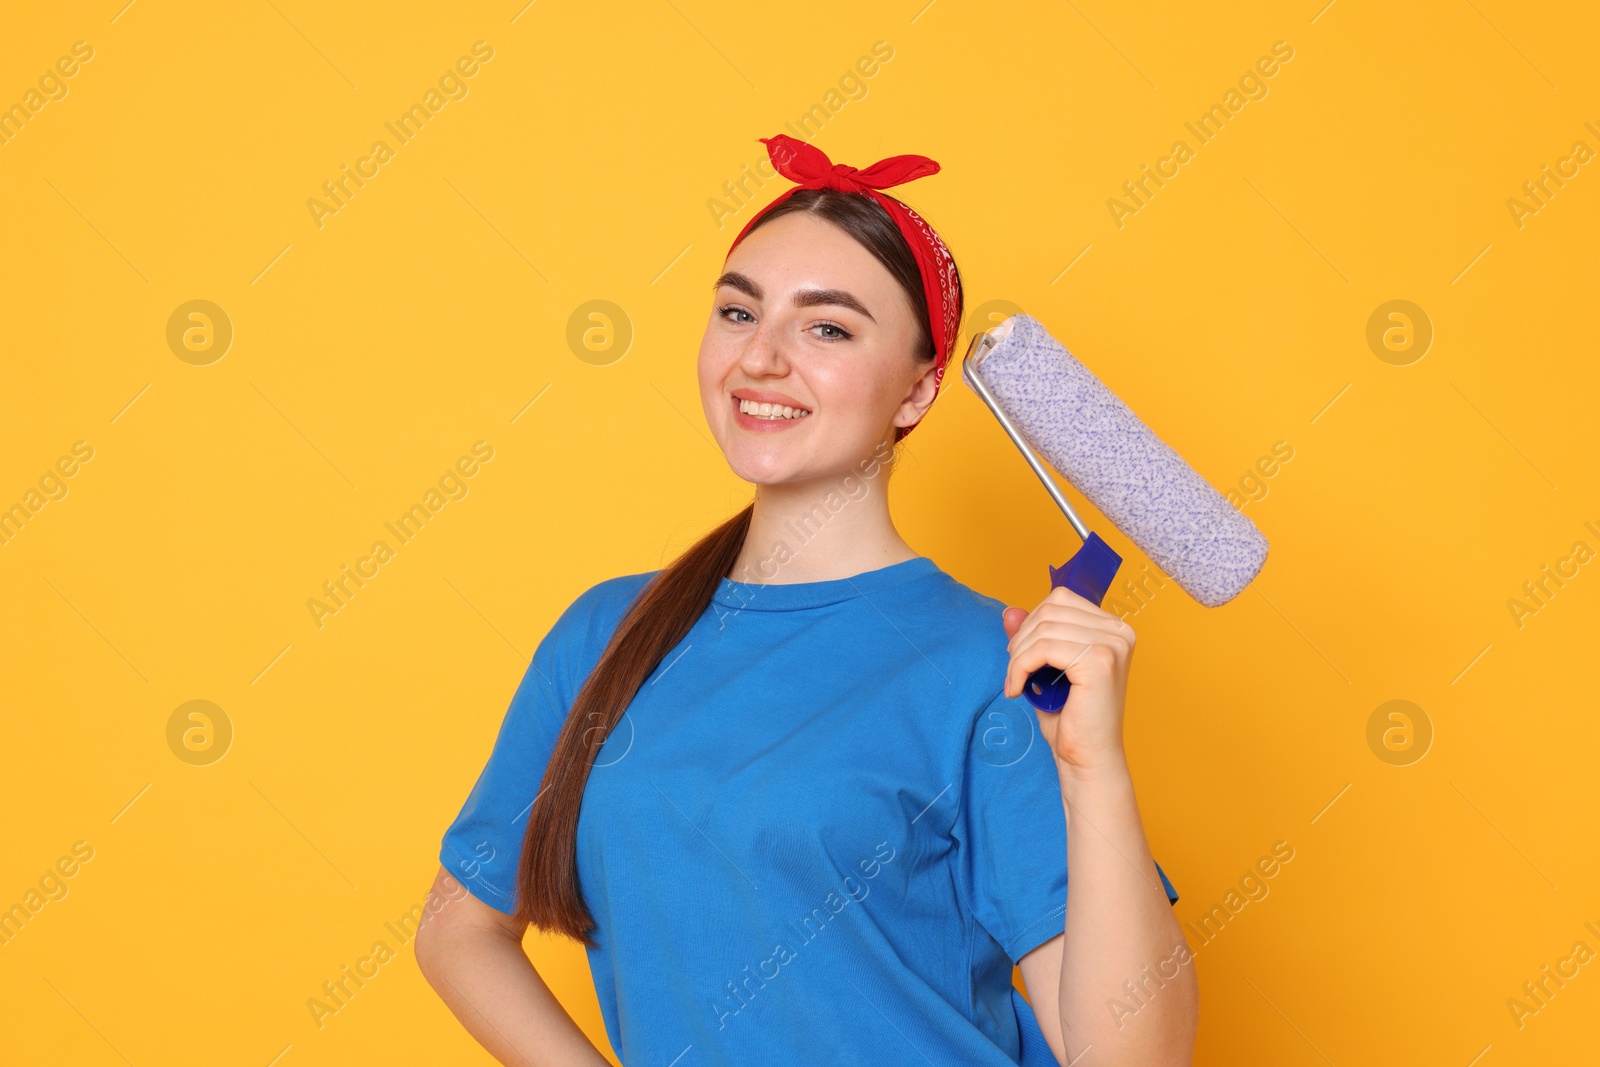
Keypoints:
(1089, 574)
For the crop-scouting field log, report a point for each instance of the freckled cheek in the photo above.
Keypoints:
(846, 391)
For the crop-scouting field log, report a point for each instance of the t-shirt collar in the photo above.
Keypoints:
(792, 596)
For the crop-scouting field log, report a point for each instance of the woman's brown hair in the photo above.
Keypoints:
(548, 895)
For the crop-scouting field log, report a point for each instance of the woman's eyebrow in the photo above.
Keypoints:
(738, 281)
(805, 298)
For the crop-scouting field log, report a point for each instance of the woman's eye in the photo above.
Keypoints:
(729, 313)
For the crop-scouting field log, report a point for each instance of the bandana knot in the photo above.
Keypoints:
(843, 177)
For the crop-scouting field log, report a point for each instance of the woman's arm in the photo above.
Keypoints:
(1121, 976)
(1120, 931)
(472, 956)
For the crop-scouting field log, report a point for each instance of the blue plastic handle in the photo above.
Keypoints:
(1089, 574)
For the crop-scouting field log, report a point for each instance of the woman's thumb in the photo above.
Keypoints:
(1011, 619)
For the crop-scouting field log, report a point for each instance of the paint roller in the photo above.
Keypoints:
(1049, 403)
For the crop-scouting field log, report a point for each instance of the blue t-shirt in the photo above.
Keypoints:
(820, 833)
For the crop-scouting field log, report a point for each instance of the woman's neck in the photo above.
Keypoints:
(820, 531)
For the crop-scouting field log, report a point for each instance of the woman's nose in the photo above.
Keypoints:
(763, 354)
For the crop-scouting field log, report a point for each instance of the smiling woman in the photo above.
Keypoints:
(792, 710)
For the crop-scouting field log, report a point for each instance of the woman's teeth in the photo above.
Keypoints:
(771, 411)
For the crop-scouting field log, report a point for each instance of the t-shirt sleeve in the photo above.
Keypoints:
(483, 846)
(1011, 830)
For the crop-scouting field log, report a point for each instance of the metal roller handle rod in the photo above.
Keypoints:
(975, 352)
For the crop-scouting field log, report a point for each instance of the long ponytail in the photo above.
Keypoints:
(660, 616)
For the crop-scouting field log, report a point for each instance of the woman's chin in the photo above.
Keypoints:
(763, 473)
(769, 466)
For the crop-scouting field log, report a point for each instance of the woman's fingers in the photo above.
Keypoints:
(1065, 645)
(1060, 594)
(1080, 612)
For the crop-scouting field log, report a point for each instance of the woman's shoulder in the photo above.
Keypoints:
(574, 642)
(596, 611)
(963, 598)
(609, 590)
(961, 618)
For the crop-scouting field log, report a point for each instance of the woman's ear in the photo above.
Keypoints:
(919, 398)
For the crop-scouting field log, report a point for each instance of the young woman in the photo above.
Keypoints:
(787, 790)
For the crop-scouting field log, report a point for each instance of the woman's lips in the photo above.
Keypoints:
(759, 425)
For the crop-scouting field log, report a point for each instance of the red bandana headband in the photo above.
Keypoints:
(807, 165)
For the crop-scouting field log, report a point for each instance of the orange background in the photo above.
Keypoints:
(432, 310)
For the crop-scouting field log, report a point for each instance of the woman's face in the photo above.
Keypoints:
(805, 317)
